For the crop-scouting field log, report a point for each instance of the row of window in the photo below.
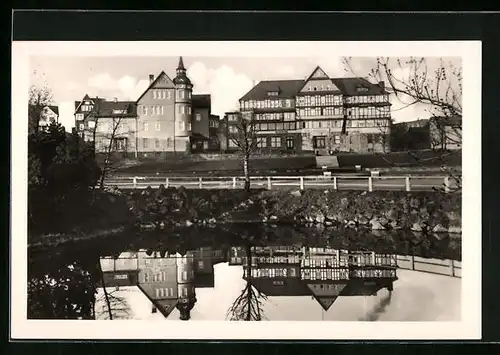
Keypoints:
(145, 126)
(324, 274)
(269, 103)
(275, 116)
(367, 99)
(272, 272)
(275, 142)
(374, 273)
(371, 111)
(318, 111)
(157, 110)
(86, 108)
(288, 126)
(165, 292)
(212, 123)
(319, 100)
(338, 124)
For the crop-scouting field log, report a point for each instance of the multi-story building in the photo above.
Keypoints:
(322, 273)
(113, 124)
(166, 119)
(45, 115)
(320, 114)
(168, 281)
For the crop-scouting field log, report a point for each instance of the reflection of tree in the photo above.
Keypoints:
(116, 306)
(248, 306)
(66, 292)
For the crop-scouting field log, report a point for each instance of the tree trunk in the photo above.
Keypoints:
(105, 292)
(246, 171)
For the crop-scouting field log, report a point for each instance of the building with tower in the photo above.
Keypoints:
(165, 120)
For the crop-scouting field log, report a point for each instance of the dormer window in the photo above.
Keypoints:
(272, 93)
(362, 89)
(117, 112)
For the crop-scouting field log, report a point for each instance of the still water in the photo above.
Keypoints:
(250, 275)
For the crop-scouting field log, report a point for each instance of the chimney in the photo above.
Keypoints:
(151, 78)
(381, 84)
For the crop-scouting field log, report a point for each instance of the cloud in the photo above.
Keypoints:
(224, 84)
(124, 88)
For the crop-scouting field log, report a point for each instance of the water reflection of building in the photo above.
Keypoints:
(168, 281)
(323, 273)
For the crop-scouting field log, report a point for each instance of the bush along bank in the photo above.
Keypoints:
(426, 212)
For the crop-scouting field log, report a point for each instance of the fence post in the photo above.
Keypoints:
(269, 185)
(135, 182)
(446, 184)
(302, 183)
(200, 183)
(408, 187)
(452, 268)
(370, 184)
(234, 183)
(167, 182)
(335, 183)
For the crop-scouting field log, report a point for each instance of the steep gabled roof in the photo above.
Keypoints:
(286, 89)
(310, 77)
(106, 108)
(54, 109)
(152, 84)
(349, 86)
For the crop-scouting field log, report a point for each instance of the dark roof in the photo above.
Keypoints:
(54, 109)
(349, 86)
(451, 120)
(290, 88)
(285, 88)
(201, 101)
(181, 64)
(204, 280)
(105, 108)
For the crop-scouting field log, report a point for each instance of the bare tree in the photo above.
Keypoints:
(106, 133)
(243, 134)
(412, 82)
(248, 306)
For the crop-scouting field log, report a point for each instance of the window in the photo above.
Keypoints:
(157, 143)
(261, 142)
(91, 124)
(361, 123)
(320, 142)
(289, 142)
(146, 277)
(181, 109)
(81, 126)
(145, 126)
(79, 116)
(144, 110)
(198, 117)
(184, 276)
(289, 116)
(205, 145)
(336, 139)
(157, 126)
(188, 109)
(275, 142)
(169, 142)
(180, 93)
(155, 93)
(144, 142)
(182, 126)
(189, 126)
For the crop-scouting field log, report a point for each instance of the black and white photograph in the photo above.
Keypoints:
(228, 185)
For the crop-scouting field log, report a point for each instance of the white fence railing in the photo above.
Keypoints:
(432, 266)
(368, 183)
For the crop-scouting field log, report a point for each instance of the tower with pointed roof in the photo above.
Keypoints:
(183, 101)
(186, 290)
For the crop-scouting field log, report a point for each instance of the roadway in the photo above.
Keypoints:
(342, 183)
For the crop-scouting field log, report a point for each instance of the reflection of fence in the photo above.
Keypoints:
(433, 266)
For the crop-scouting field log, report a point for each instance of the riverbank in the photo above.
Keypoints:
(170, 208)
(426, 212)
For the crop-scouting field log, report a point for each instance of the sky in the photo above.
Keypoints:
(225, 78)
(417, 296)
